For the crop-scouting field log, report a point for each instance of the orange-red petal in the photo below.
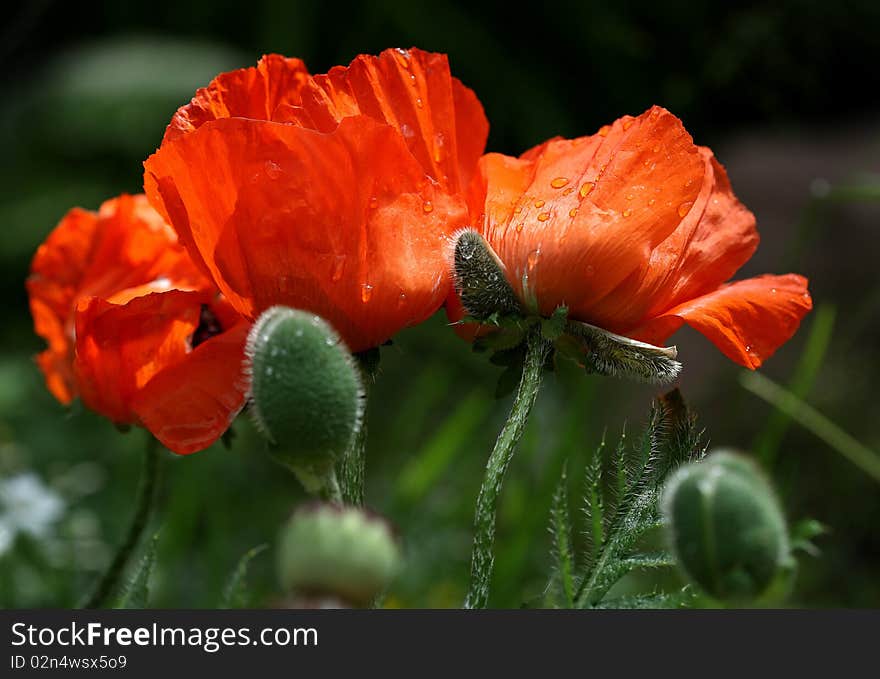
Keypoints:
(125, 246)
(344, 223)
(573, 219)
(121, 347)
(747, 320)
(256, 92)
(190, 404)
(441, 120)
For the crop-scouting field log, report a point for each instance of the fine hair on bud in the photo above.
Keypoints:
(726, 528)
(334, 552)
(306, 394)
(479, 278)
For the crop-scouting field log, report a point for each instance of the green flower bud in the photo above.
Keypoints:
(306, 393)
(479, 278)
(327, 551)
(725, 527)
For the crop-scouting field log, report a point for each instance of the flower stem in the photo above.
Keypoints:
(352, 467)
(482, 558)
(109, 581)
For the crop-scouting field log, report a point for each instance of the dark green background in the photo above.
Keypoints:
(785, 93)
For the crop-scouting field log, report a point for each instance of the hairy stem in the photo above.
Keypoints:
(482, 559)
(352, 467)
(110, 579)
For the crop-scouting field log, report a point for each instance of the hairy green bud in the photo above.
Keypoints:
(330, 551)
(479, 278)
(725, 527)
(306, 393)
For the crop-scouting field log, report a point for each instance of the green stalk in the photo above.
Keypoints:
(482, 559)
(109, 581)
(352, 467)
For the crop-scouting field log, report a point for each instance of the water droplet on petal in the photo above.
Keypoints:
(519, 227)
(773, 290)
(366, 292)
(684, 208)
(627, 213)
(338, 265)
(748, 348)
(568, 191)
(573, 212)
(604, 130)
(518, 210)
(586, 188)
(374, 202)
(539, 203)
(428, 206)
(419, 102)
(543, 217)
(559, 182)
(533, 258)
(627, 124)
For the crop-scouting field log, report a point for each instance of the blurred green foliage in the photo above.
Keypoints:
(88, 89)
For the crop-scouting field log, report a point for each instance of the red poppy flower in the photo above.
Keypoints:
(635, 229)
(134, 328)
(334, 193)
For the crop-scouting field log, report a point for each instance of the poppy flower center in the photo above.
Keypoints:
(209, 326)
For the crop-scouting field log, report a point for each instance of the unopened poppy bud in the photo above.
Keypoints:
(725, 527)
(306, 393)
(328, 551)
(480, 279)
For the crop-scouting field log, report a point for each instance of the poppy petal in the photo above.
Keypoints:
(747, 320)
(575, 218)
(256, 92)
(441, 120)
(123, 249)
(119, 348)
(343, 223)
(189, 405)
(713, 240)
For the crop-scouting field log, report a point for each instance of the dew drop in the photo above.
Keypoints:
(684, 208)
(586, 188)
(559, 182)
(419, 102)
(428, 206)
(573, 212)
(533, 258)
(773, 290)
(748, 348)
(627, 124)
(543, 217)
(338, 265)
(604, 130)
(627, 213)
(656, 149)
(568, 191)
(652, 201)
(374, 202)
(518, 210)
(539, 203)
(629, 196)
(366, 292)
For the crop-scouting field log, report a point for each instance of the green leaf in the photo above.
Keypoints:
(234, 593)
(615, 571)
(137, 592)
(560, 528)
(594, 508)
(657, 600)
(804, 532)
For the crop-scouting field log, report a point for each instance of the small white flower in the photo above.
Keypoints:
(27, 505)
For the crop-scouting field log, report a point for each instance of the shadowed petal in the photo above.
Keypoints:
(747, 320)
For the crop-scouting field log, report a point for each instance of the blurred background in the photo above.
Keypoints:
(785, 93)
